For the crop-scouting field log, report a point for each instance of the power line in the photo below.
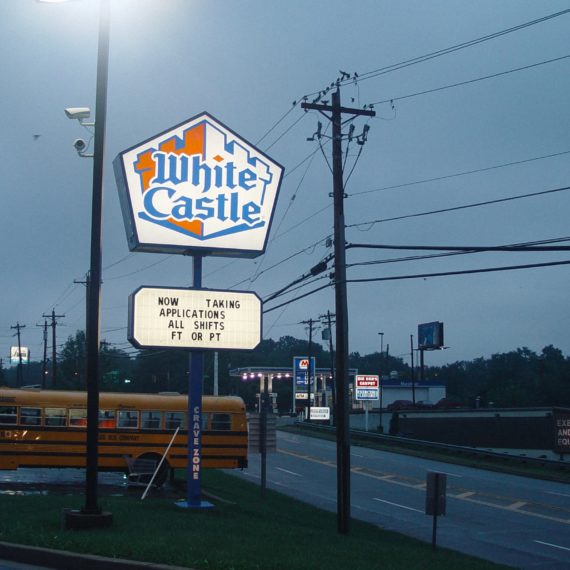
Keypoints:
(462, 272)
(456, 174)
(448, 254)
(298, 298)
(139, 270)
(424, 276)
(276, 124)
(474, 248)
(457, 208)
(423, 181)
(445, 51)
(301, 117)
(469, 81)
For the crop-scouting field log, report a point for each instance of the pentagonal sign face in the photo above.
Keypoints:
(197, 188)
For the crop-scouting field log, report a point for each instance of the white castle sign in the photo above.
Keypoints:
(197, 187)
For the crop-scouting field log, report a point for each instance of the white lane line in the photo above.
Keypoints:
(557, 494)
(397, 505)
(553, 545)
(515, 506)
(465, 495)
(287, 471)
(451, 474)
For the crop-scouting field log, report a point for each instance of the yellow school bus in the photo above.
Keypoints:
(47, 428)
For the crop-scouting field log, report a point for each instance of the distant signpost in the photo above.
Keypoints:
(367, 387)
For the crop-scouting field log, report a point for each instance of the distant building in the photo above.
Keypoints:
(393, 388)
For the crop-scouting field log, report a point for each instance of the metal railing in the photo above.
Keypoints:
(406, 442)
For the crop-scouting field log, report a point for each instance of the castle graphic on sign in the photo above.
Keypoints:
(198, 186)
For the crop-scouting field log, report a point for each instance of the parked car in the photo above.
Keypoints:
(400, 405)
(425, 405)
(447, 403)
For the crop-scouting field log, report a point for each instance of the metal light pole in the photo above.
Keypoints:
(91, 514)
(381, 343)
(94, 285)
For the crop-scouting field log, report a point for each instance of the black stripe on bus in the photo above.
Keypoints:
(107, 455)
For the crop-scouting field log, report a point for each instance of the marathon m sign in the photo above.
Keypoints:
(197, 188)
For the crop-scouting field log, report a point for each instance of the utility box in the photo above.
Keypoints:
(436, 494)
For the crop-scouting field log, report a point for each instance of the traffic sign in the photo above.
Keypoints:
(194, 318)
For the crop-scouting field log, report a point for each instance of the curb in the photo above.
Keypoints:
(64, 560)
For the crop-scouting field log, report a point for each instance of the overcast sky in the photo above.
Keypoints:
(246, 62)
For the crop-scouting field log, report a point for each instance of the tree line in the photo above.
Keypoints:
(519, 378)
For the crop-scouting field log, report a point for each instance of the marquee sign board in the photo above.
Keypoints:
(197, 188)
(194, 318)
(367, 387)
(320, 413)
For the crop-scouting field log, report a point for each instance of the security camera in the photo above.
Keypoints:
(78, 113)
(80, 145)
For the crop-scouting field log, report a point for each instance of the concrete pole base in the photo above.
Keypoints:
(78, 520)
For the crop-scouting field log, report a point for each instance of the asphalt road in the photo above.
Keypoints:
(508, 519)
(9, 565)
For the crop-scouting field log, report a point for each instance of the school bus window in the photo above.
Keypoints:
(174, 420)
(54, 416)
(151, 420)
(205, 420)
(30, 416)
(78, 418)
(8, 415)
(128, 419)
(107, 419)
(221, 422)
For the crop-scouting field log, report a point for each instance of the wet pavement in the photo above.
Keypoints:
(72, 482)
(9, 565)
(56, 481)
(65, 477)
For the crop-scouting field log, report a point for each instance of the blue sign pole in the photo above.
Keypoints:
(195, 386)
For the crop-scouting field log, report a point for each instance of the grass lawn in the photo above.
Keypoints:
(242, 532)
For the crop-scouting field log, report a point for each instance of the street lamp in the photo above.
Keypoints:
(91, 515)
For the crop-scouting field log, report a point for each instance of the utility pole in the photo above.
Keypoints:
(53, 317)
(20, 372)
(44, 362)
(341, 305)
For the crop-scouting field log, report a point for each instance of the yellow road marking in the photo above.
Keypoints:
(467, 496)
